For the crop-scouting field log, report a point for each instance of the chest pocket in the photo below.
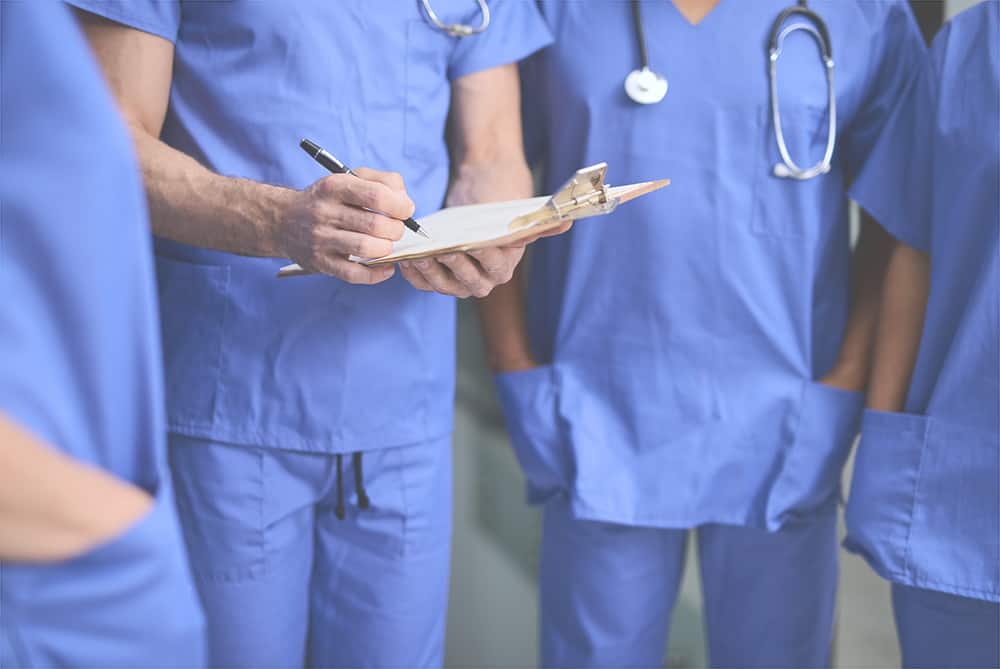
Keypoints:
(428, 91)
(805, 129)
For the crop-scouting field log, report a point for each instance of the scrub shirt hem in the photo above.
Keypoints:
(302, 444)
(582, 511)
(117, 15)
(922, 583)
(885, 219)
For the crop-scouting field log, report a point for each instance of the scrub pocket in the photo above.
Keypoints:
(193, 303)
(809, 477)
(128, 602)
(530, 401)
(924, 503)
(805, 128)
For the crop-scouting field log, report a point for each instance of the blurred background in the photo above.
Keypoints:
(493, 616)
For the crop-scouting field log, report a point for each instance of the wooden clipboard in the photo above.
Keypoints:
(478, 226)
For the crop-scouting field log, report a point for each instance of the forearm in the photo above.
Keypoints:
(189, 203)
(502, 318)
(501, 313)
(482, 178)
(53, 507)
(900, 324)
(868, 267)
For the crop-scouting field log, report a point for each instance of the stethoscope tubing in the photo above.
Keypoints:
(458, 29)
(816, 27)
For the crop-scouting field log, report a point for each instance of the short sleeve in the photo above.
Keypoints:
(516, 31)
(895, 183)
(896, 59)
(157, 17)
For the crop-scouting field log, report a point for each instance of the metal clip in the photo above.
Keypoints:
(585, 194)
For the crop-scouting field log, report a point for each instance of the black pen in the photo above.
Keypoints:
(330, 162)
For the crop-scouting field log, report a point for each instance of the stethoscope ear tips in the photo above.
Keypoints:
(645, 86)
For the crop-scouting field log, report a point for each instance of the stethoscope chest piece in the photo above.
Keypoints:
(645, 86)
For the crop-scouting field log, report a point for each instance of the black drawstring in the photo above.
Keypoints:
(359, 482)
(339, 511)
(359, 485)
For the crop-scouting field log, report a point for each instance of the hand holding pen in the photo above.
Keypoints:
(330, 162)
(345, 214)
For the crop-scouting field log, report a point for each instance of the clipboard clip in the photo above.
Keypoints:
(585, 194)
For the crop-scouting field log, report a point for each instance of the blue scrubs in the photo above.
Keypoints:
(925, 499)
(682, 336)
(312, 365)
(80, 356)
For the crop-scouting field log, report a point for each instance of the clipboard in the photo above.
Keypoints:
(478, 226)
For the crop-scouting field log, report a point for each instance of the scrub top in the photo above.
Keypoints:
(683, 334)
(80, 356)
(925, 496)
(312, 363)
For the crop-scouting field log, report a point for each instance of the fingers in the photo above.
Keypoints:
(394, 180)
(372, 195)
(436, 277)
(347, 243)
(411, 274)
(364, 222)
(350, 271)
(472, 274)
(468, 273)
(498, 263)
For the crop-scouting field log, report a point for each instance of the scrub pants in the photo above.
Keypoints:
(284, 582)
(940, 630)
(607, 592)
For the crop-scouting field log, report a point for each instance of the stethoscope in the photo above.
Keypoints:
(646, 86)
(458, 29)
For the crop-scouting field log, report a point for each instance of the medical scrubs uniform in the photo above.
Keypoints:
(683, 334)
(924, 507)
(80, 356)
(291, 401)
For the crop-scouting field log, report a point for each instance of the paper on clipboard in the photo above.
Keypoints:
(477, 226)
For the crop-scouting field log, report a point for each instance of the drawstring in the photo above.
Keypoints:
(339, 511)
(359, 484)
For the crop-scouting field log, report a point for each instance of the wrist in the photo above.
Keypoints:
(847, 375)
(489, 180)
(511, 361)
(121, 505)
(273, 207)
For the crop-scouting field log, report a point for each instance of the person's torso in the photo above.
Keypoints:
(310, 363)
(688, 328)
(958, 368)
(79, 362)
(730, 258)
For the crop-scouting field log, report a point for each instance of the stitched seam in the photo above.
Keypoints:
(907, 552)
(221, 358)
(259, 439)
(265, 547)
(405, 544)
